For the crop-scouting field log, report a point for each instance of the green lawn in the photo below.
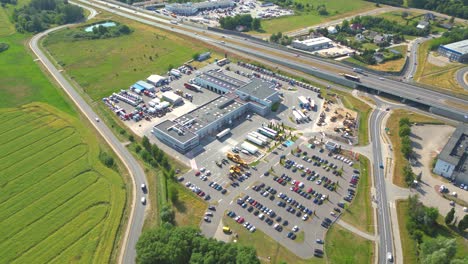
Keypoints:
(409, 245)
(6, 28)
(336, 8)
(359, 213)
(21, 79)
(104, 66)
(58, 203)
(341, 246)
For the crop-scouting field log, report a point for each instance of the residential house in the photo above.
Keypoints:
(423, 24)
(379, 39)
(359, 37)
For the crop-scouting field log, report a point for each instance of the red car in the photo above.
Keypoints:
(197, 173)
(310, 190)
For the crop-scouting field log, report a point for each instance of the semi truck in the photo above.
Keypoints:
(193, 87)
(223, 133)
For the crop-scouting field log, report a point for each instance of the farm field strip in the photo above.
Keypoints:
(14, 150)
(46, 203)
(41, 188)
(43, 160)
(46, 250)
(58, 202)
(59, 167)
(24, 128)
(41, 229)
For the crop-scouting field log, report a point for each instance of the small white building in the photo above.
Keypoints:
(332, 30)
(156, 80)
(312, 44)
(172, 98)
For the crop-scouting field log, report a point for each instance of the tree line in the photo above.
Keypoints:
(101, 32)
(383, 25)
(174, 245)
(404, 133)
(39, 15)
(422, 223)
(457, 8)
(454, 35)
(246, 21)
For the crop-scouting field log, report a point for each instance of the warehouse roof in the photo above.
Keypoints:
(460, 47)
(457, 146)
(145, 85)
(314, 41)
(175, 131)
(208, 113)
(259, 88)
(154, 78)
(222, 80)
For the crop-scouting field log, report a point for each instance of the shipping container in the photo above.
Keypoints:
(223, 133)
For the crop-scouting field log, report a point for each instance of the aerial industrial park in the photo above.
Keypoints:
(238, 131)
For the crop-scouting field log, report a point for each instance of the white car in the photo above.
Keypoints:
(389, 256)
(143, 200)
(143, 186)
(305, 217)
(202, 169)
(295, 228)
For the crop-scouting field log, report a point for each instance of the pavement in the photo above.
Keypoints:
(461, 77)
(137, 210)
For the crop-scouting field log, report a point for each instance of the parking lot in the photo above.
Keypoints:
(302, 190)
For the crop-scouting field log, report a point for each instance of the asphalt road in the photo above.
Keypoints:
(461, 77)
(287, 58)
(383, 213)
(137, 210)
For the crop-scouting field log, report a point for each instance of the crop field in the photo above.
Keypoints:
(336, 9)
(104, 66)
(58, 203)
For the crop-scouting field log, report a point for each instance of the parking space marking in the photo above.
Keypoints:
(193, 164)
(220, 200)
(246, 188)
(231, 202)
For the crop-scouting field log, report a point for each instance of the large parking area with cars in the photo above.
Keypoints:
(299, 189)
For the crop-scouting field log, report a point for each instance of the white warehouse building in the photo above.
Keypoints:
(312, 44)
(190, 9)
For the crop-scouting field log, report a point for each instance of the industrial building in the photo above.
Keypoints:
(172, 98)
(142, 86)
(184, 133)
(237, 97)
(156, 80)
(457, 51)
(312, 44)
(452, 161)
(190, 9)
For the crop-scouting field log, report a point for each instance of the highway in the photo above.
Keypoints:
(383, 214)
(460, 76)
(287, 58)
(137, 210)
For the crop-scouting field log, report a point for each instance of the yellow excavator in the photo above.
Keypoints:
(236, 158)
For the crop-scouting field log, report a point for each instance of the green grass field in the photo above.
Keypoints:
(104, 66)
(58, 203)
(21, 79)
(336, 8)
(6, 28)
(342, 246)
(359, 213)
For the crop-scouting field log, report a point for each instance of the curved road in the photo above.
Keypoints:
(137, 210)
(460, 77)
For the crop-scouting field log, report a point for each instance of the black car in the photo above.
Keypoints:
(212, 208)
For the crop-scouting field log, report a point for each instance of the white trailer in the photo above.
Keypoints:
(272, 131)
(303, 101)
(264, 142)
(312, 105)
(297, 116)
(223, 133)
(249, 147)
(304, 117)
(175, 73)
(255, 140)
(260, 136)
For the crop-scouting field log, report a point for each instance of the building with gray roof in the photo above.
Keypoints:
(190, 9)
(452, 161)
(237, 97)
(457, 51)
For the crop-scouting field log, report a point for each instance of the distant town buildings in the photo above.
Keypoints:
(457, 51)
(312, 44)
(190, 9)
(452, 162)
